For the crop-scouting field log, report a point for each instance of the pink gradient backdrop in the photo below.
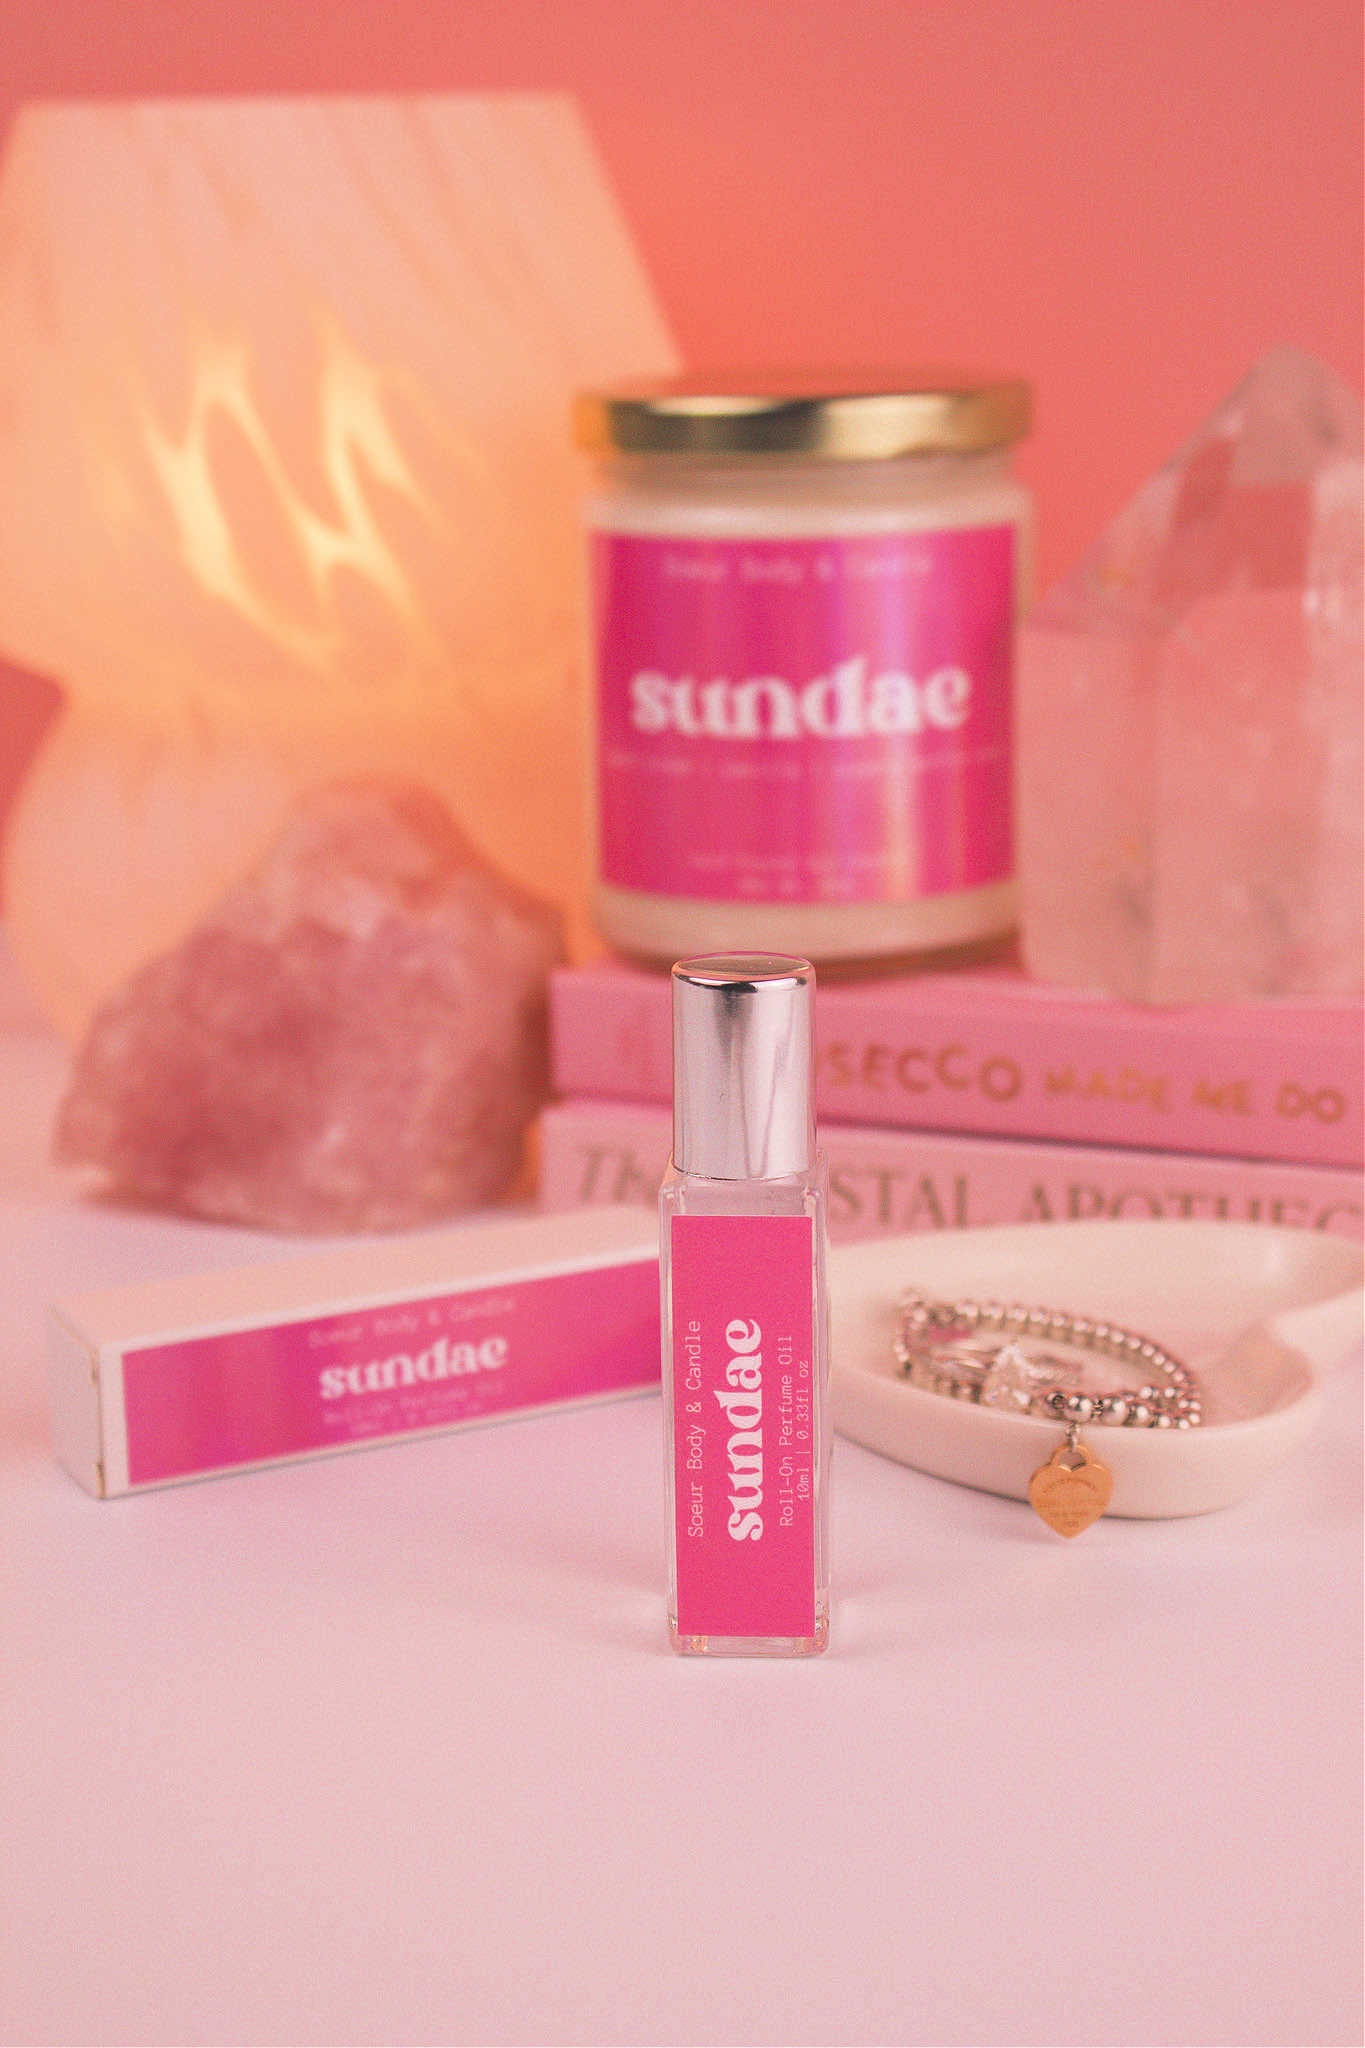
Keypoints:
(1126, 200)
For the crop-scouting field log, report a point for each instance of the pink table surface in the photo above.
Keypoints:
(390, 1747)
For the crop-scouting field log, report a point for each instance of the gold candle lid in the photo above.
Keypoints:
(857, 418)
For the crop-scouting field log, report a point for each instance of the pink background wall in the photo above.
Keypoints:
(1125, 200)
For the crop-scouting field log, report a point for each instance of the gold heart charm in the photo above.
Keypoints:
(1069, 1497)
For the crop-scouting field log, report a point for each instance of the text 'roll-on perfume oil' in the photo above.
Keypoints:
(745, 1314)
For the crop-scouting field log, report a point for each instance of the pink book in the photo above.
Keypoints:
(986, 1050)
(884, 1182)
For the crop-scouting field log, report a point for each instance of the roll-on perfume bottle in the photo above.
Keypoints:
(745, 1315)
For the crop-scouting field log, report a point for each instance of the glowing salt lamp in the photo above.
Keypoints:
(286, 486)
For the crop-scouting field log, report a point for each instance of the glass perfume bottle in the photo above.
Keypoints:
(745, 1315)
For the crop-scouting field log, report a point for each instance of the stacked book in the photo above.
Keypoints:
(980, 1097)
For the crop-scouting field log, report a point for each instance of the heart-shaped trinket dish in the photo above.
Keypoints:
(1258, 1315)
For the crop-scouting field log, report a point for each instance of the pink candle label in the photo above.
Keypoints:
(744, 1424)
(207, 1402)
(805, 721)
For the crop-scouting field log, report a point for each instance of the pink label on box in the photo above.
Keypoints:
(743, 1424)
(805, 721)
(204, 1403)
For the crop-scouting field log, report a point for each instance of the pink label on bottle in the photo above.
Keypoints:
(205, 1403)
(805, 721)
(744, 1420)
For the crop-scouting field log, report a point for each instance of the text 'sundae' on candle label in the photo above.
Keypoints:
(744, 1424)
(805, 720)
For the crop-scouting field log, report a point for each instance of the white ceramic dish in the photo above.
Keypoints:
(1259, 1314)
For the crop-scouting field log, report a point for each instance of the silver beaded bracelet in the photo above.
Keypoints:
(987, 1352)
(1001, 1357)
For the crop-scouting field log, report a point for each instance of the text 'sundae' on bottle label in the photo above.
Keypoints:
(744, 1424)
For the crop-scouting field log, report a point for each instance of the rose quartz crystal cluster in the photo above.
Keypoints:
(353, 1040)
(1190, 717)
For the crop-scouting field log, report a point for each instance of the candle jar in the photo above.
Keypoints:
(803, 606)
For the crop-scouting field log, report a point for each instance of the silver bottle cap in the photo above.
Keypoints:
(743, 1106)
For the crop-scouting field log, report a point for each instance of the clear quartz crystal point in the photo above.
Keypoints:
(1190, 717)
